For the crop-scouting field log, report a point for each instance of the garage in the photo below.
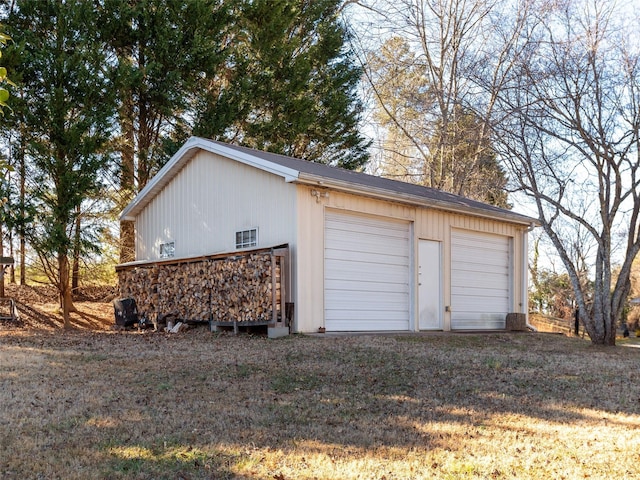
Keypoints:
(366, 253)
(366, 273)
(480, 280)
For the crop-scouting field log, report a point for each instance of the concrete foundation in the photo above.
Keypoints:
(277, 332)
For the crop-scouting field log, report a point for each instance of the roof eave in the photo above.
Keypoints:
(194, 144)
(417, 200)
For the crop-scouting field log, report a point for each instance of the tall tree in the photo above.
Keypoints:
(570, 131)
(289, 85)
(446, 57)
(4, 79)
(272, 75)
(21, 186)
(466, 163)
(400, 99)
(162, 52)
(4, 166)
(66, 110)
(16, 219)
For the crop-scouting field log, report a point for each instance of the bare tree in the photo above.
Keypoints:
(442, 63)
(570, 132)
(396, 81)
(556, 88)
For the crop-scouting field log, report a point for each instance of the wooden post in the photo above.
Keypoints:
(4, 262)
(274, 286)
(279, 257)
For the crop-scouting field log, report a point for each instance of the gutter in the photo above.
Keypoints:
(380, 193)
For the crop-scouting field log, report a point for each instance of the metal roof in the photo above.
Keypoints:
(302, 171)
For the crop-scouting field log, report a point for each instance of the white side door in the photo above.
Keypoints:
(429, 285)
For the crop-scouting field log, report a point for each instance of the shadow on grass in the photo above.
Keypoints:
(87, 321)
(36, 317)
(370, 396)
(163, 406)
(137, 461)
(42, 318)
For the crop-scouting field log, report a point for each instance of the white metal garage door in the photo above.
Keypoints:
(480, 280)
(366, 272)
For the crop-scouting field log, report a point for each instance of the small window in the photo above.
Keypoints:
(167, 249)
(247, 238)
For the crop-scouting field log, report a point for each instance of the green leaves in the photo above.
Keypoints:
(4, 93)
(164, 54)
(287, 85)
(62, 118)
(139, 77)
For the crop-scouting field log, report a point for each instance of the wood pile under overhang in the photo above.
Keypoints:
(242, 288)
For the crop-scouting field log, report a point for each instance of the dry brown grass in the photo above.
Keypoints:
(87, 404)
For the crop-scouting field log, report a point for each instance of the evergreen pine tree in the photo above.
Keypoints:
(66, 110)
(289, 84)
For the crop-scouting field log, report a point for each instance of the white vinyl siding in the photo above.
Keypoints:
(366, 273)
(480, 280)
(210, 200)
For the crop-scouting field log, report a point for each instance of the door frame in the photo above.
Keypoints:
(407, 225)
(429, 253)
(468, 234)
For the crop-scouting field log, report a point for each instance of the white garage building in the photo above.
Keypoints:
(366, 253)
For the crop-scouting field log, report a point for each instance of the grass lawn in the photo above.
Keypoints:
(197, 405)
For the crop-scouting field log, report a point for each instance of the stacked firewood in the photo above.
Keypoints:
(237, 288)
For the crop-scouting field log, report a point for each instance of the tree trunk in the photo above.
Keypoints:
(610, 334)
(23, 248)
(21, 226)
(127, 242)
(23, 191)
(75, 273)
(12, 268)
(1, 266)
(601, 330)
(64, 290)
(127, 177)
(601, 323)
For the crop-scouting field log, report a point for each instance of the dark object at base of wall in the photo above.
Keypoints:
(126, 312)
(8, 309)
(288, 313)
(516, 322)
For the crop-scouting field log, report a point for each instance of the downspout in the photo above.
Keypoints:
(525, 275)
